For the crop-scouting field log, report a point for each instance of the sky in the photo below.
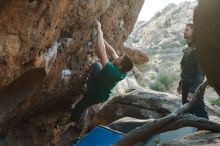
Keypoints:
(150, 7)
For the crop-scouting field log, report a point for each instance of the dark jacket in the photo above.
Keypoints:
(191, 70)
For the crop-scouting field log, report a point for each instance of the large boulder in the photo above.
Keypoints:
(46, 48)
(142, 104)
(207, 38)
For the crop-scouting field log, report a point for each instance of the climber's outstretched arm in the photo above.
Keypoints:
(101, 45)
(110, 50)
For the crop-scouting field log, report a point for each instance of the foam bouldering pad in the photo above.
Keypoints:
(100, 136)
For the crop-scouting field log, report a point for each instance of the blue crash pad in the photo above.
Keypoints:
(100, 136)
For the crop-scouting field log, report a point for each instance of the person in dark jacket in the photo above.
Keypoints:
(191, 75)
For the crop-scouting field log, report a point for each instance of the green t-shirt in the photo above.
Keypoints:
(104, 82)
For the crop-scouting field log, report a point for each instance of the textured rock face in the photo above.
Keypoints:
(46, 48)
(207, 37)
(28, 28)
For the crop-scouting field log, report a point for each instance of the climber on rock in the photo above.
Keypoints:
(104, 76)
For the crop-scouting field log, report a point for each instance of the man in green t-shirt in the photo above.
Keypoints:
(103, 76)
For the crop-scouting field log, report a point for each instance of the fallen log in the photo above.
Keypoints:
(172, 121)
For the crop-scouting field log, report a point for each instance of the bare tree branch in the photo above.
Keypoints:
(172, 121)
(192, 121)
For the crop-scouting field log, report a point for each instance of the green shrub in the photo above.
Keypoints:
(163, 83)
(157, 86)
(166, 81)
(215, 101)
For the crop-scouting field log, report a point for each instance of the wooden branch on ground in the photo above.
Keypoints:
(192, 121)
(173, 120)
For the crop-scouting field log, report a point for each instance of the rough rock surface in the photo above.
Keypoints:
(207, 37)
(46, 48)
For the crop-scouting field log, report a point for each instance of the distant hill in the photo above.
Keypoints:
(162, 39)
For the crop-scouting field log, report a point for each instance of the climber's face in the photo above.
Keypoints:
(188, 32)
